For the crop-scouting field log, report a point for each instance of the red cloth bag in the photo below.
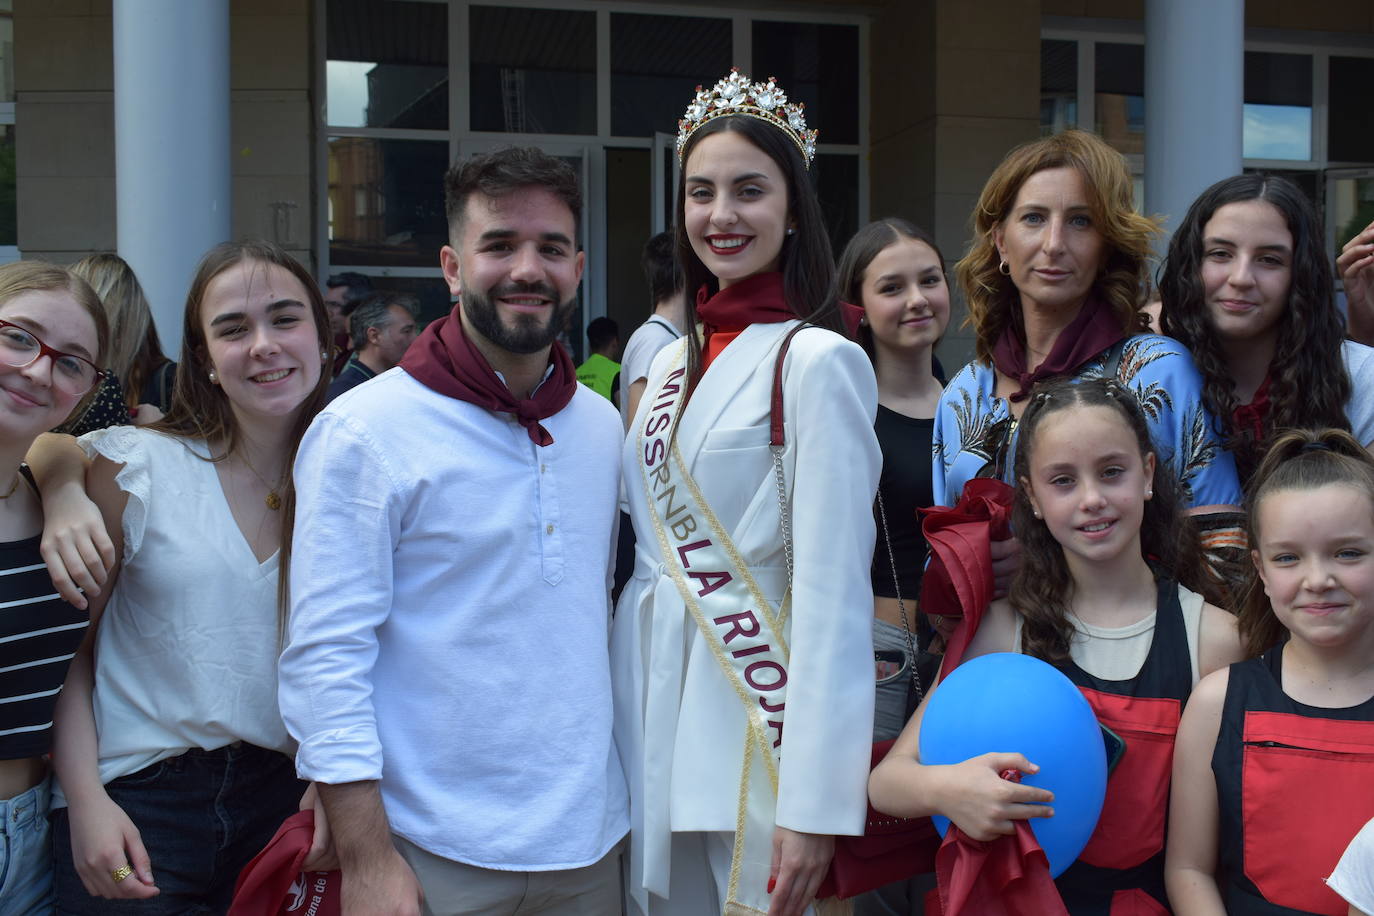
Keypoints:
(958, 581)
(1009, 876)
(273, 884)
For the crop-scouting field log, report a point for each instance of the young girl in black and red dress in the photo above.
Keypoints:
(1274, 772)
(1109, 592)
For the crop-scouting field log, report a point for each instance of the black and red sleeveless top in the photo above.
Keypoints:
(1121, 870)
(1295, 783)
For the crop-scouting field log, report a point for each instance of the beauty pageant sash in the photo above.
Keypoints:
(740, 626)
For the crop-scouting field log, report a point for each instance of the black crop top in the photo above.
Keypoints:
(905, 485)
(39, 634)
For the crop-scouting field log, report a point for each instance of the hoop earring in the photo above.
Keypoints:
(1003, 269)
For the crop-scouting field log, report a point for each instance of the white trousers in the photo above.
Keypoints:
(700, 877)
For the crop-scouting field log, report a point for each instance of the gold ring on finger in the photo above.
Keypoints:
(122, 872)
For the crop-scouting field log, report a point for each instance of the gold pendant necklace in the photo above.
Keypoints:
(272, 499)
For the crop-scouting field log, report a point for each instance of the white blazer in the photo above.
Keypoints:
(679, 726)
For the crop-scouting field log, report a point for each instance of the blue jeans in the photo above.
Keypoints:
(201, 817)
(26, 854)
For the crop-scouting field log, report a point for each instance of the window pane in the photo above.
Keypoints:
(386, 201)
(814, 64)
(533, 71)
(7, 57)
(837, 186)
(1058, 86)
(1350, 137)
(387, 64)
(1350, 208)
(8, 232)
(1119, 70)
(656, 61)
(1278, 106)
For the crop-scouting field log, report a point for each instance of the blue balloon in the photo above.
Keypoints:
(1019, 704)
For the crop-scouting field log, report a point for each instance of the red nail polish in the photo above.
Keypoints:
(772, 883)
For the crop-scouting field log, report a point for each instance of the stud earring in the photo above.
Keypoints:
(791, 231)
(1036, 513)
(324, 356)
(214, 378)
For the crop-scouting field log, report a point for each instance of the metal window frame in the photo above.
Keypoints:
(1319, 46)
(460, 135)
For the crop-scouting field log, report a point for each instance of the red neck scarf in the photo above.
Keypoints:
(443, 358)
(1252, 418)
(754, 300)
(1094, 329)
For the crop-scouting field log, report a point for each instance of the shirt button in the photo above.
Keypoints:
(543, 468)
(549, 530)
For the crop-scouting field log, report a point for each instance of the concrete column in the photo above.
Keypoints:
(1194, 94)
(172, 166)
(950, 96)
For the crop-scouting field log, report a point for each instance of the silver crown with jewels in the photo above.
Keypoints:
(736, 95)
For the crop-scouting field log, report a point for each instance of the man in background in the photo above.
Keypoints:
(663, 327)
(381, 327)
(339, 290)
(600, 371)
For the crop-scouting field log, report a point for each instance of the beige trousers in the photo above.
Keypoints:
(454, 889)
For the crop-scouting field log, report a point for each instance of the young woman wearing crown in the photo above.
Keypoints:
(750, 603)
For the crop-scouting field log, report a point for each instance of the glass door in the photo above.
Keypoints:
(665, 178)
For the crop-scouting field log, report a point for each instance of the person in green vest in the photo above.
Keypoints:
(601, 372)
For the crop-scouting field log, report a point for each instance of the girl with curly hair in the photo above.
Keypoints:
(1108, 592)
(1247, 288)
(1054, 281)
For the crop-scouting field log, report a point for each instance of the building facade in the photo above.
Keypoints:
(343, 114)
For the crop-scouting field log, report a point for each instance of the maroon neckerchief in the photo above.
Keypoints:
(1094, 329)
(852, 316)
(754, 300)
(443, 358)
(1252, 418)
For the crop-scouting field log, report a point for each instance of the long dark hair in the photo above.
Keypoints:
(1299, 459)
(1308, 382)
(200, 410)
(808, 264)
(1042, 588)
(866, 245)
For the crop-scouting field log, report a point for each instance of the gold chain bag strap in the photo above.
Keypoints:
(891, 848)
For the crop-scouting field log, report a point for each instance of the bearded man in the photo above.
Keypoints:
(447, 673)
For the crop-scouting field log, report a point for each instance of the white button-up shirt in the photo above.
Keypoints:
(449, 617)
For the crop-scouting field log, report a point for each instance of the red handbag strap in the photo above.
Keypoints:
(775, 410)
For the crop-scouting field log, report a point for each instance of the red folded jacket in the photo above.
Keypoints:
(273, 884)
(958, 581)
